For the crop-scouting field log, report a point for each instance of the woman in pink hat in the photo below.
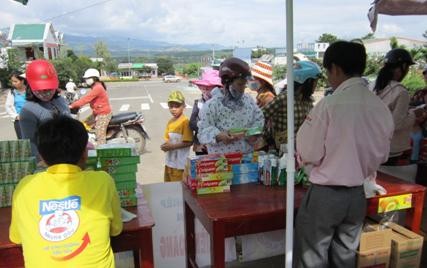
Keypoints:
(209, 82)
(262, 83)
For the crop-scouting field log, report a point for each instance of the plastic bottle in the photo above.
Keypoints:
(282, 170)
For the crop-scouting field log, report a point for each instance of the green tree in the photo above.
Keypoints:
(191, 69)
(101, 51)
(279, 72)
(165, 66)
(327, 38)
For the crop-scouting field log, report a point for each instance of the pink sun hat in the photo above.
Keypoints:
(209, 78)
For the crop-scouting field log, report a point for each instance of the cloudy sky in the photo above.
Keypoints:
(225, 22)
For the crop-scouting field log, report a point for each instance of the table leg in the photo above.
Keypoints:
(147, 257)
(190, 237)
(217, 246)
(414, 215)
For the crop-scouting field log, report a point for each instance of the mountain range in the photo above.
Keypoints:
(119, 46)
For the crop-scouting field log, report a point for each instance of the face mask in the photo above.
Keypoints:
(89, 81)
(254, 85)
(236, 94)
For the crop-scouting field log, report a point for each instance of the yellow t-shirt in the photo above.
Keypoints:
(178, 130)
(64, 217)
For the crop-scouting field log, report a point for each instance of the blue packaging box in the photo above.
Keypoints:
(242, 178)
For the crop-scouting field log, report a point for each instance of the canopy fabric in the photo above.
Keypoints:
(395, 7)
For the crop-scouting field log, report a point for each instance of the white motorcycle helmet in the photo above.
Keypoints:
(91, 72)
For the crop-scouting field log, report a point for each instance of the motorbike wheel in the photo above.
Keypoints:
(134, 136)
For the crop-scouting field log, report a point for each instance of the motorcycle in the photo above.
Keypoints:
(123, 127)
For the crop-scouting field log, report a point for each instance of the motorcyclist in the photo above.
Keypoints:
(99, 103)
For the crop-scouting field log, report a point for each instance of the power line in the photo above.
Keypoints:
(77, 10)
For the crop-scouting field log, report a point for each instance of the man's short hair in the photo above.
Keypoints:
(349, 56)
(61, 140)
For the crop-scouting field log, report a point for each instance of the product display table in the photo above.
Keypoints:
(254, 208)
(136, 236)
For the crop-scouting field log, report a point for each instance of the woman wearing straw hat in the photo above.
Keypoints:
(209, 81)
(262, 83)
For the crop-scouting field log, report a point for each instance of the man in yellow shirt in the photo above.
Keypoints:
(64, 217)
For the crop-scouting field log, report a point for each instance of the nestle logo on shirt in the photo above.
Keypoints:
(50, 206)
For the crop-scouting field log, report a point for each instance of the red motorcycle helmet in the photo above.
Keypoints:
(41, 75)
(233, 68)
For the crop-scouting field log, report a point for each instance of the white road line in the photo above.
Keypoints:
(145, 106)
(6, 116)
(188, 106)
(164, 105)
(124, 107)
(3, 113)
(130, 98)
(148, 94)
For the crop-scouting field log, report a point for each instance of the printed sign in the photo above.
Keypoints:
(392, 203)
(59, 219)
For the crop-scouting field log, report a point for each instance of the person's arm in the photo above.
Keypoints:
(311, 136)
(13, 229)
(257, 115)
(207, 128)
(10, 105)
(194, 116)
(93, 93)
(187, 139)
(116, 221)
(29, 124)
(402, 117)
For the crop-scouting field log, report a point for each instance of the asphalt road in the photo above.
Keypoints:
(148, 97)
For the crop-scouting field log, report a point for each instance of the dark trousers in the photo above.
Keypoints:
(17, 129)
(328, 226)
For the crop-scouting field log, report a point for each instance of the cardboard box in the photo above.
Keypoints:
(406, 247)
(375, 247)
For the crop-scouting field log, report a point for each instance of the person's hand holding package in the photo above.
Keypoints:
(227, 138)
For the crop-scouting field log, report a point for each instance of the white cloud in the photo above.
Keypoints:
(228, 22)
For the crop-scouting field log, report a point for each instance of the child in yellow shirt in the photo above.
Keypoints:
(64, 217)
(178, 138)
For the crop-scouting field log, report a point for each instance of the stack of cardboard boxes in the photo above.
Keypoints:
(389, 245)
(214, 173)
(122, 165)
(15, 163)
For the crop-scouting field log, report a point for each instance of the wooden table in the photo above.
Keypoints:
(136, 236)
(254, 208)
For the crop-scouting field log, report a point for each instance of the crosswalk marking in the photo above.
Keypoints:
(145, 106)
(164, 105)
(124, 107)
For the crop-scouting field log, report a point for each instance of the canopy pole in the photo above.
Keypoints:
(290, 169)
